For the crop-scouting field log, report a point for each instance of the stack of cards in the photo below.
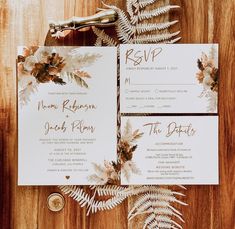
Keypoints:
(160, 84)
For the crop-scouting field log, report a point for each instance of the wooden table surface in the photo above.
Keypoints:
(25, 22)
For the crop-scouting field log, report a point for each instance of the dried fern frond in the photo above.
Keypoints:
(153, 207)
(162, 225)
(150, 204)
(130, 4)
(123, 37)
(103, 37)
(85, 199)
(130, 30)
(154, 189)
(142, 39)
(171, 41)
(160, 221)
(147, 14)
(155, 197)
(110, 190)
(144, 3)
(158, 211)
(124, 22)
(123, 26)
(98, 41)
(107, 204)
(77, 194)
(156, 203)
(133, 190)
(148, 27)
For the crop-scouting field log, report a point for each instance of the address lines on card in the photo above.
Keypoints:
(128, 81)
(133, 84)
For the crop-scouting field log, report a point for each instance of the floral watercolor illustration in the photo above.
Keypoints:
(38, 65)
(111, 171)
(208, 76)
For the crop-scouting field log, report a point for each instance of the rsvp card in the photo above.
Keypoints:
(171, 150)
(66, 113)
(179, 78)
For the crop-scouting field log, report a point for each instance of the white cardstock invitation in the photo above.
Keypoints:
(179, 78)
(171, 149)
(66, 113)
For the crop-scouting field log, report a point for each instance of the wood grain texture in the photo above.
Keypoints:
(25, 22)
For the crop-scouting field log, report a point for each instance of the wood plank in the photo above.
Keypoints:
(26, 22)
(201, 22)
(224, 34)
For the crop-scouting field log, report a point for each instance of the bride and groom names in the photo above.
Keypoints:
(67, 106)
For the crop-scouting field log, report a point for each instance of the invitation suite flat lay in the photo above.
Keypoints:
(178, 78)
(66, 113)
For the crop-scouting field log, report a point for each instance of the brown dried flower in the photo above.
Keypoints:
(200, 76)
(208, 74)
(125, 151)
(49, 70)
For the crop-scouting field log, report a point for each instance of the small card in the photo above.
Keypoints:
(170, 150)
(179, 78)
(66, 113)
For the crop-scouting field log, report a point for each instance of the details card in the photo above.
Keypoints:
(66, 113)
(179, 78)
(170, 150)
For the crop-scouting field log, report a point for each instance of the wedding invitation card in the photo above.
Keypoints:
(66, 113)
(171, 149)
(178, 78)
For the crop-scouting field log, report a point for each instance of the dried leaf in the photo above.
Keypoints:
(83, 74)
(78, 80)
(200, 65)
(58, 80)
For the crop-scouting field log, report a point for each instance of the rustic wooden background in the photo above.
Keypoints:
(25, 22)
